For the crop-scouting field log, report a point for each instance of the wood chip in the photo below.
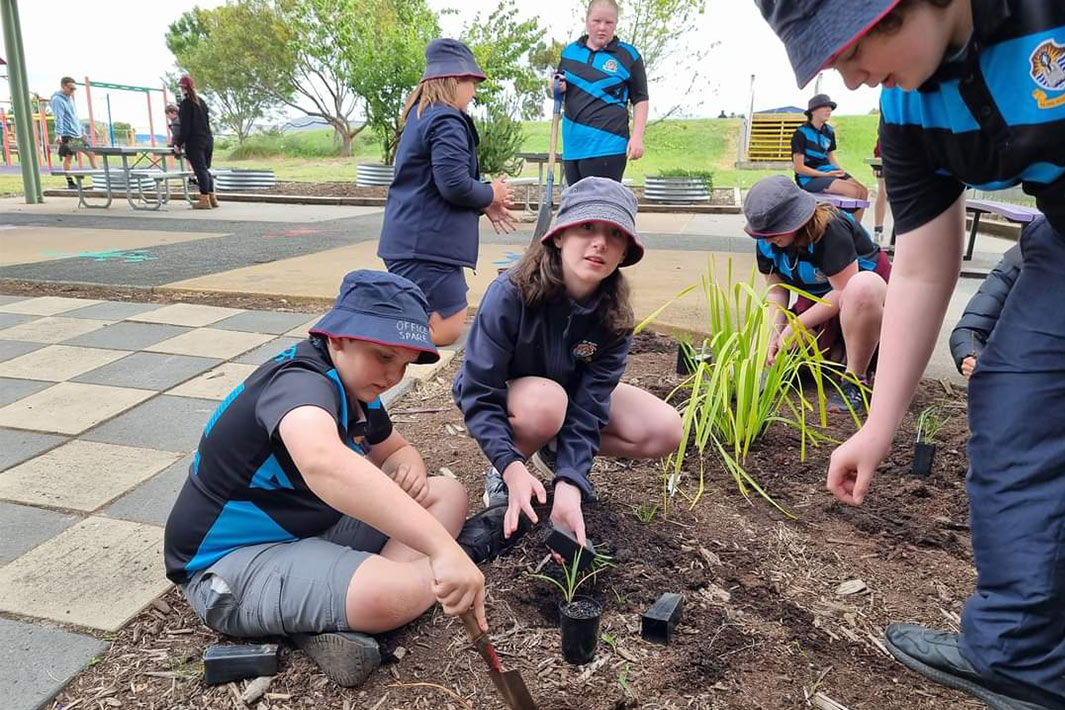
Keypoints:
(161, 606)
(711, 559)
(445, 471)
(852, 586)
(823, 702)
(399, 653)
(256, 688)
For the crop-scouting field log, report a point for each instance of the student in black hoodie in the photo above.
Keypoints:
(196, 141)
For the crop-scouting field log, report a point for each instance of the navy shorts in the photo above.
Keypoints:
(444, 285)
(820, 184)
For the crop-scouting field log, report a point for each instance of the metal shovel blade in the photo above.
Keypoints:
(511, 686)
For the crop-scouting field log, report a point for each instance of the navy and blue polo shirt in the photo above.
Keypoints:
(843, 242)
(243, 488)
(991, 117)
(600, 85)
(815, 145)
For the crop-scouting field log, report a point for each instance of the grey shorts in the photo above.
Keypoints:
(277, 589)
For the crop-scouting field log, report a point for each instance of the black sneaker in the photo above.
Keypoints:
(346, 657)
(852, 396)
(71, 185)
(936, 656)
(546, 459)
(482, 535)
(495, 489)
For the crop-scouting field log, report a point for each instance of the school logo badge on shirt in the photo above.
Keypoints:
(1048, 72)
(585, 350)
(610, 65)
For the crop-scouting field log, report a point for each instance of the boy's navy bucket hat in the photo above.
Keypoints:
(815, 32)
(817, 102)
(381, 308)
(450, 58)
(776, 205)
(599, 199)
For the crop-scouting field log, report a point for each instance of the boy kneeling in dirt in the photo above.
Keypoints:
(305, 514)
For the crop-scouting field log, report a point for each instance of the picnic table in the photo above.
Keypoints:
(1012, 212)
(844, 203)
(137, 163)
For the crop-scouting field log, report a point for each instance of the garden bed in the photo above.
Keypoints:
(764, 624)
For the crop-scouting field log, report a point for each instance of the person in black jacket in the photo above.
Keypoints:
(970, 335)
(544, 358)
(196, 141)
(434, 205)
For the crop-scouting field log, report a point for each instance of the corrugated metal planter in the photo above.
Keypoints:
(118, 181)
(374, 175)
(243, 180)
(676, 190)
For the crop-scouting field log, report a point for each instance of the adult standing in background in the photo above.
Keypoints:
(196, 141)
(69, 137)
(601, 77)
(813, 155)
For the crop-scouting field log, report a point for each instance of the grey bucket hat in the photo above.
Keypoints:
(817, 102)
(815, 32)
(450, 58)
(599, 199)
(776, 205)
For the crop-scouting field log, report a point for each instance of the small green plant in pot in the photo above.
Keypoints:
(578, 614)
(929, 423)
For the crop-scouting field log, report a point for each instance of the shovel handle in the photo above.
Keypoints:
(480, 641)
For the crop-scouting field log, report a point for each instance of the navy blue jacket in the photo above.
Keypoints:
(970, 335)
(436, 198)
(562, 341)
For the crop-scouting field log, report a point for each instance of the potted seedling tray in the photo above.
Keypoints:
(579, 625)
(929, 424)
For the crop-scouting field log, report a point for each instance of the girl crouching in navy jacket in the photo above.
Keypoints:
(436, 199)
(545, 355)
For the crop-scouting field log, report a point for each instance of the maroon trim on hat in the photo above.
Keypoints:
(319, 331)
(765, 235)
(835, 55)
(479, 77)
(632, 237)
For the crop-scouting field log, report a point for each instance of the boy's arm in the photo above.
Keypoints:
(981, 313)
(402, 463)
(351, 484)
(926, 267)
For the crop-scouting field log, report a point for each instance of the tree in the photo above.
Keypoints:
(230, 63)
(386, 58)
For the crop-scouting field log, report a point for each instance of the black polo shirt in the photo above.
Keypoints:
(814, 144)
(844, 242)
(992, 116)
(599, 87)
(243, 488)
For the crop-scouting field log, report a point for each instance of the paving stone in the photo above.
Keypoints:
(54, 329)
(8, 320)
(70, 407)
(98, 573)
(23, 528)
(127, 335)
(17, 446)
(217, 383)
(210, 342)
(151, 501)
(275, 322)
(14, 348)
(165, 423)
(5, 300)
(46, 305)
(268, 351)
(300, 331)
(82, 475)
(113, 310)
(14, 390)
(57, 363)
(190, 314)
(37, 662)
(149, 371)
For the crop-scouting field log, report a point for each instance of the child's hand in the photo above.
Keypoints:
(457, 583)
(413, 480)
(521, 486)
(502, 192)
(853, 463)
(566, 511)
(967, 366)
(501, 218)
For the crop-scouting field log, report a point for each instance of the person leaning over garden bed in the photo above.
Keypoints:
(436, 199)
(544, 360)
(828, 254)
(305, 514)
(974, 93)
(970, 335)
(813, 155)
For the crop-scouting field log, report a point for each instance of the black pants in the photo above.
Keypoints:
(199, 157)
(608, 166)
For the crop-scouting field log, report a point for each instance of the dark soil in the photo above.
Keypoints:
(765, 622)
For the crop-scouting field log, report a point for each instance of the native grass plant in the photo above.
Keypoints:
(929, 423)
(735, 393)
(572, 579)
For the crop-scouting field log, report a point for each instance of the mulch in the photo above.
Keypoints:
(778, 612)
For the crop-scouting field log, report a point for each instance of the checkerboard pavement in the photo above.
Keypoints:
(101, 406)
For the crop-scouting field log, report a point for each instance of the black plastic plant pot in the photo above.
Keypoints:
(923, 455)
(579, 622)
(686, 359)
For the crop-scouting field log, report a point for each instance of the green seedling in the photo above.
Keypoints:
(572, 579)
(623, 681)
(929, 423)
(645, 512)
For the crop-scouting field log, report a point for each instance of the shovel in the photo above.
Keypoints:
(509, 683)
(543, 219)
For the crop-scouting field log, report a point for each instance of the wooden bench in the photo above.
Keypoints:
(1012, 212)
(162, 179)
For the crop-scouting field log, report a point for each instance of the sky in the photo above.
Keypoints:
(89, 44)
